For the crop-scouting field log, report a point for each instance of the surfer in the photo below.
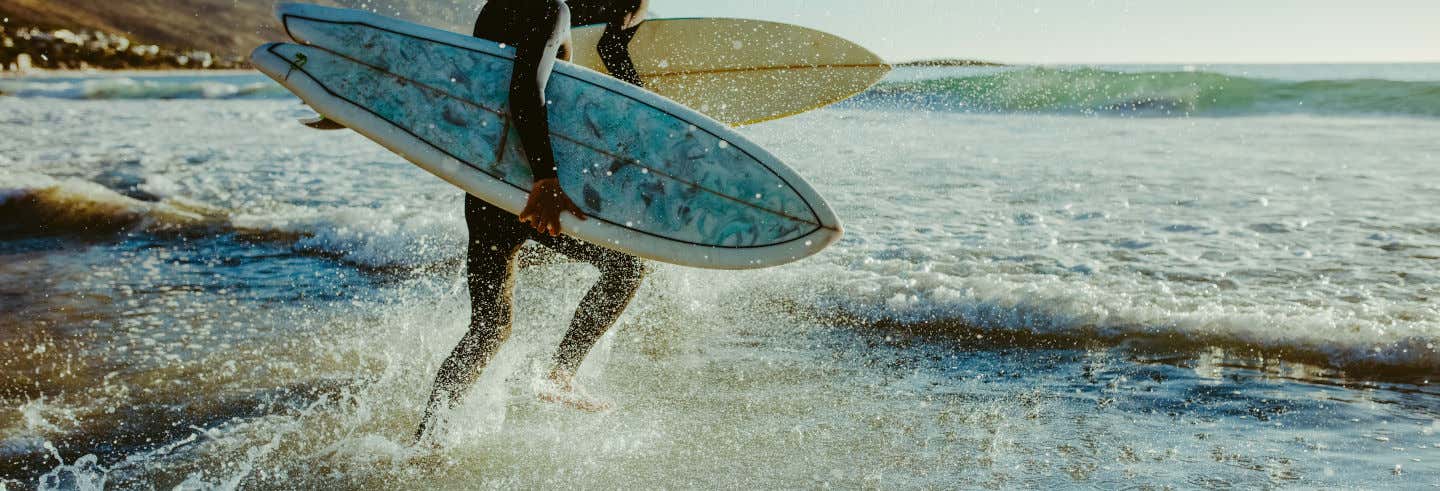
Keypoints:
(539, 30)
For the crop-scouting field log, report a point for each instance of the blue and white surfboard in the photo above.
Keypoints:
(658, 180)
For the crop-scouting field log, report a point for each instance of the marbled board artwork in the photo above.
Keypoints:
(620, 159)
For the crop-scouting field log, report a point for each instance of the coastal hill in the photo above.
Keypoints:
(222, 27)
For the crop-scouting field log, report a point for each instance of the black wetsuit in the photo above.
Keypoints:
(536, 28)
(614, 45)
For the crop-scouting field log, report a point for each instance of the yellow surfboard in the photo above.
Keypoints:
(741, 71)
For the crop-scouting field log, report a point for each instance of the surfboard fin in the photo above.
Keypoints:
(322, 123)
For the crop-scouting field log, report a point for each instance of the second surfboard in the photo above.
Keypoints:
(741, 71)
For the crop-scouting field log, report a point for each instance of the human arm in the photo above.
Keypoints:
(614, 48)
(534, 59)
(527, 102)
(547, 202)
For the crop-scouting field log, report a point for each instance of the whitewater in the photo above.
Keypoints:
(1099, 276)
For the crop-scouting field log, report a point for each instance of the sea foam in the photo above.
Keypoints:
(117, 88)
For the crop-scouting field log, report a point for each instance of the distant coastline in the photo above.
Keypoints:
(27, 49)
(951, 62)
(168, 34)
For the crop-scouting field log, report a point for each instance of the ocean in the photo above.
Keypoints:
(1141, 277)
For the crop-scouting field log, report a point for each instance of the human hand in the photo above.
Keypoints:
(547, 202)
(638, 16)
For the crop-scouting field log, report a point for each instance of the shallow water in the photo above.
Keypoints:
(201, 293)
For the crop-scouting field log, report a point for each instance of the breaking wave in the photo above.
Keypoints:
(1177, 93)
(126, 88)
(872, 290)
(37, 205)
(1054, 313)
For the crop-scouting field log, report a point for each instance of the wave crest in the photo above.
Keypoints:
(123, 88)
(40, 205)
(37, 205)
(1178, 93)
(1049, 311)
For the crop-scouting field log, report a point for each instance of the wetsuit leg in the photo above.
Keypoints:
(537, 29)
(620, 277)
(495, 237)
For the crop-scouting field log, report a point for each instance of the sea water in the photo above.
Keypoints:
(1187, 276)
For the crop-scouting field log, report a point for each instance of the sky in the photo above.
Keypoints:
(1109, 31)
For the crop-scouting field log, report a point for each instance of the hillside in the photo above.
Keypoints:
(222, 27)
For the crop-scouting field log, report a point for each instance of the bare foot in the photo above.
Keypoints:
(560, 388)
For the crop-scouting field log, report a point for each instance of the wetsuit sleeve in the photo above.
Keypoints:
(614, 51)
(533, 60)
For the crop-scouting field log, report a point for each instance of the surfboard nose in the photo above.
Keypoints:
(277, 60)
(262, 53)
